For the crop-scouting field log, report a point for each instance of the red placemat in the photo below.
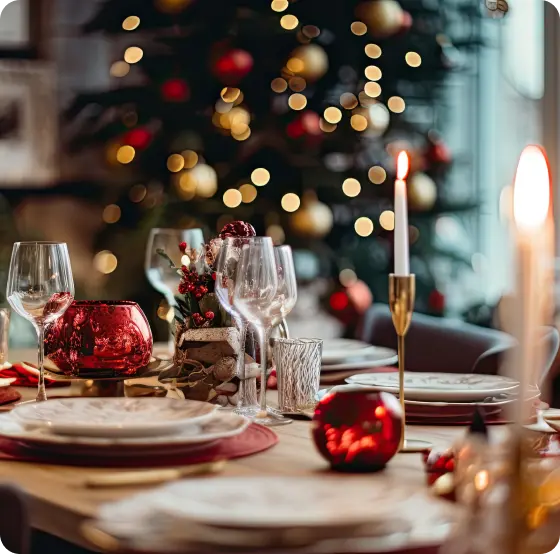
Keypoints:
(9, 395)
(252, 441)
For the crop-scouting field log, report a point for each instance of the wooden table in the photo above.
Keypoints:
(59, 502)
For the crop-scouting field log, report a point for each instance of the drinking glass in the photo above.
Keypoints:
(226, 270)
(286, 295)
(40, 289)
(256, 286)
(160, 274)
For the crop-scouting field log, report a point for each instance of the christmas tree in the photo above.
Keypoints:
(285, 114)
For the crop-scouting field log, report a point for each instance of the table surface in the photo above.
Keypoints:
(60, 503)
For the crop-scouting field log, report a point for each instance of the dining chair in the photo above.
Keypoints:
(15, 528)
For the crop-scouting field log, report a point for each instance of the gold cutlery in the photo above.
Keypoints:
(152, 476)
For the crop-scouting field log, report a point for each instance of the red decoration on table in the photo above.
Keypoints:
(233, 66)
(138, 138)
(175, 90)
(356, 430)
(100, 339)
(237, 229)
(438, 464)
(26, 375)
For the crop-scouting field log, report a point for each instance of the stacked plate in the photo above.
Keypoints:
(118, 427)
(348, 354)
(448, 398)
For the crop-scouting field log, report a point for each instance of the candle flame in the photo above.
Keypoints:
(403, 165)
(531, 192)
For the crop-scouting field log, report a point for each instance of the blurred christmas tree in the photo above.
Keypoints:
(285, 114)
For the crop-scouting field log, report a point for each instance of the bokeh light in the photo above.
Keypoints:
(358, 28)
(332, 115)
(326, 127)
(279, 5)
(363, 226)
(137, 193)
(413, 59)
(175, 163)
(373, 73)
(260, 176)
(232, 198)
(297, 101)
(396, 104)
(190, 158)
(372, 89)
(377, 175)
(276, 233)
(279, 85)
(348, 101)
(125, 154)
(358, 122)
(289, 22)
(347, 277)
(119, 69)
(105, 262)
(230, 94)
(131, 22)
(111, 213)
(351, 187)
(291, 202)
(387, 220)
(248, 193)
(133, 54)
(373, 51)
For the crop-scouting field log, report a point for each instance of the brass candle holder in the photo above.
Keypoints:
(402, 292)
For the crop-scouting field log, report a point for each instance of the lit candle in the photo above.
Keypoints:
(531, 213)
(402, 264)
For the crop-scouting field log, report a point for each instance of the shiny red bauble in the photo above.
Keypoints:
(138, 138)
(175, 90)
(233, 66)
(358, 430)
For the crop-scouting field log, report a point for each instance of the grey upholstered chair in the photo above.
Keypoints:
(14, 520)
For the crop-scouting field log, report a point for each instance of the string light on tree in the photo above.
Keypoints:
(297, 101)
(111, 213)
(230, 94)
(105, 262)
(358, 28)
(260, 176)
(279, 85)
(396, 104)
(358, 122)
(291, 202)
(351, 187)
(248, 193)
(289, 22)
(131, 22)
(133, 54)
(387, 220)
(125, 154)
(313, 61)
(137, 193)
(373, 73)
(175, 163)
(363, 226)
(190, 158)
(175, 90)
(119, 69)
(279, 5)
(297, 84)
(326, 127)
(377, 175)
(373, 51)
(413, 59)
(232, 198)
(172, 6)
(348, 101)
(372, 89)
(276, 233)
(332, 115)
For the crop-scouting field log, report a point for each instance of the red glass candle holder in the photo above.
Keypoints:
(100, 339)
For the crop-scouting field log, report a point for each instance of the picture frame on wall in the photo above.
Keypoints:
(28, 124)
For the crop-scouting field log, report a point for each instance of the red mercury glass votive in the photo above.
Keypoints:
(100, 339)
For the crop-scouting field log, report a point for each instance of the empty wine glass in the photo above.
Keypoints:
(256, 285)
(40, 289)
(226, 270)
(286, 295)
(159, 272)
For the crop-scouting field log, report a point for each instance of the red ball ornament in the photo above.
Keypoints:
(175, 90)
(438, 153)
(357, 430)
(138, 138)
(406, 23)
(436, 301)
(233, 66)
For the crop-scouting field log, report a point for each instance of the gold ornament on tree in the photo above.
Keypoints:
(422, 192)
(384, 18)
(309, 61)
(314, 219)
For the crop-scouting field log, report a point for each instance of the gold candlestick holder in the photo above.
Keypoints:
(402, 292)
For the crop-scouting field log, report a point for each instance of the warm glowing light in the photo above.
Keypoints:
(531, 191)
(396, 104)
(387, 220)
(372, 89)
(358, 122)
(105, 262)
(137, 193)
(279, 5)
(347, 277)
(111, 213)
(260, 176)
(276, 233)
(326, 127)
(119, 69)
(175, 163)
(248, 193)
(413, 59)
(133, 54)
(297, 84)
(235, 115)
(481, 480)
(377, 175)
(240, 131)
(373, 73)
(332, 115)
(403, 165)
(348, 101)
(295, 65)
(297, 101)
(363, 226)
(125, 154)
(289, 22)
(232, 198)
(351, 187)
(190, 158)
(279, 85)
(131, 22)
(373, 51)
(230, 94)
(291, 202)
(358, 28)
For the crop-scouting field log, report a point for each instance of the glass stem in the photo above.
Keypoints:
(264, 335)
(41, 390)
(243, 401)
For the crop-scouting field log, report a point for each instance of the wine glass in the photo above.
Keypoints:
(40, 289)
(158, 268)
(256, 285)
(286, 295)
(226, 270)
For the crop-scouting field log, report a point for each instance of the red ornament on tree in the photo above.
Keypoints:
(233, 66)
(138, 138)
(358, 431)
(438, 152)
(175, 90)
(436, 301)
(406, 23)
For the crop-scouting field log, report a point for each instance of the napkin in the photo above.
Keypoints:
(26, 375)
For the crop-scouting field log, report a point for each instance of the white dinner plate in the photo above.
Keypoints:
(114, 417)
(337, 351)
(220, 425)
(444, 387)
(378, 357)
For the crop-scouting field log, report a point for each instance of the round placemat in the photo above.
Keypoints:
(252, 441)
